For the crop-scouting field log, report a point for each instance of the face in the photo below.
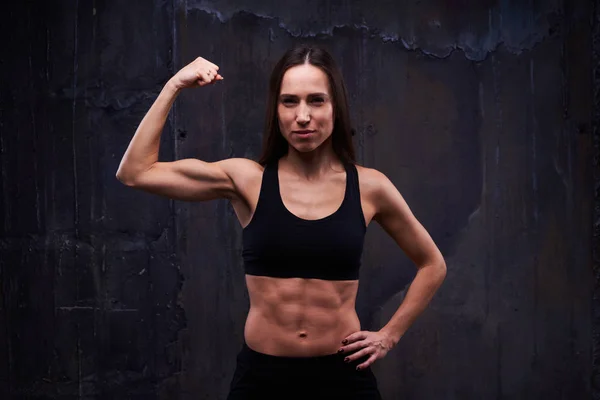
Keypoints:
(305, 108)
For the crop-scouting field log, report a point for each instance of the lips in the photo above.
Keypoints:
(303, 132)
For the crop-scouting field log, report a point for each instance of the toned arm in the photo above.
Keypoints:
(195, 180)
(188, 179)
(391, 211)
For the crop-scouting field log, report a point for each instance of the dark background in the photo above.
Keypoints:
(483, 114)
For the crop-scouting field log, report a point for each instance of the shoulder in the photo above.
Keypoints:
(373, 183)
(240, 166)
(245, 174)
(241, 170)
(380, 193)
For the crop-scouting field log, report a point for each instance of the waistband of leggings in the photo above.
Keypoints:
(262, 357)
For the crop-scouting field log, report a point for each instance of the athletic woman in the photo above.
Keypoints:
(304, 208)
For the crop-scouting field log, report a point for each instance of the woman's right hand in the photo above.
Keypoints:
(199, 72)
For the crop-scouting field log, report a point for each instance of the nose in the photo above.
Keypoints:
(303, 114)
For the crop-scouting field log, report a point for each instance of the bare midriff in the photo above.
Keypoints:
(297, 317)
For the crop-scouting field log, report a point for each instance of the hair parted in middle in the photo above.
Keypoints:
(274, 144)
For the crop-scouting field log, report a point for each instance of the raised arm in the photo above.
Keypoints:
(187, 179)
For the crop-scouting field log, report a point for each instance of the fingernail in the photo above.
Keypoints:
(346, 359)
(340, 350)
(358, 368)
(344, 341)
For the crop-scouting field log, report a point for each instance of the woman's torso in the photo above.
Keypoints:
(303, 315)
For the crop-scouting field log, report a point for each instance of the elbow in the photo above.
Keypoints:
(131, 177)
(441, 271)
(436, 271)
(124, 178)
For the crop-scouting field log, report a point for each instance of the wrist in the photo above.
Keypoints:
(172, 86)
(391, 338)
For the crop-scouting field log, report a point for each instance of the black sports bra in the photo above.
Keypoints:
(279, 244)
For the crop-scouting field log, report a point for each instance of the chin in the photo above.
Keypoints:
(305, 147)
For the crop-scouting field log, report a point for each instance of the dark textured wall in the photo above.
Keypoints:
(481, 113)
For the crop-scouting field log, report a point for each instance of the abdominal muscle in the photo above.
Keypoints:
(297, 317)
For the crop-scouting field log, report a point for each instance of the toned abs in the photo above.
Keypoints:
(299, 317)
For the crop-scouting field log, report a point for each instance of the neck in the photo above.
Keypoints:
(312, 164)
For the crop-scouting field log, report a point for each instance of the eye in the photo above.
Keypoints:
(288, 101)
(318, 100)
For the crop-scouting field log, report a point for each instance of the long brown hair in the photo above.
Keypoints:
(274, 144)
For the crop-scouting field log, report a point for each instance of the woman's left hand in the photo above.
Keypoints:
(366, 343)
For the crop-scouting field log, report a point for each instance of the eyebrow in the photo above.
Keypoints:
(310, 95)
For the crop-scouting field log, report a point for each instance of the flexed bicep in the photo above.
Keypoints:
(193, 179)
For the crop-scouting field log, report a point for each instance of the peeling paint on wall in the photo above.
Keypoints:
(428, 26)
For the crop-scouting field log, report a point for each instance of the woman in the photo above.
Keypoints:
(304, 209)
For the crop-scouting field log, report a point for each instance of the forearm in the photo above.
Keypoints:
(422, 289)
(143, 149)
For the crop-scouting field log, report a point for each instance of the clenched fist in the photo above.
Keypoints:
(199, 72)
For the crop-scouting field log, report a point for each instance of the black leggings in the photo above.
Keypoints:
(262, 376)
